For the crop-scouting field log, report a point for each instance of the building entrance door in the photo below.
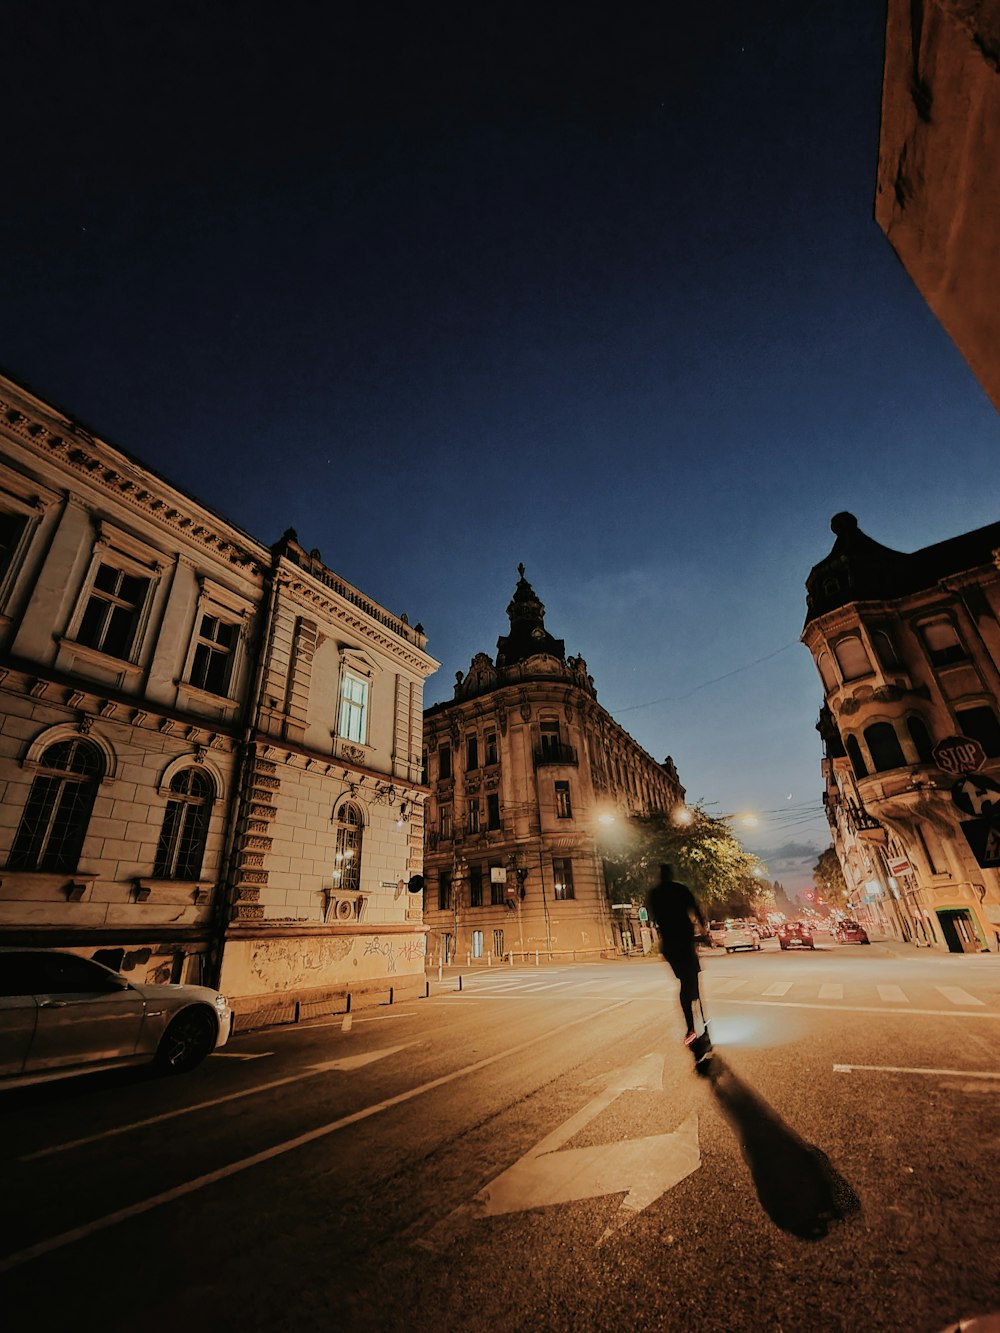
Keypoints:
(959, 931)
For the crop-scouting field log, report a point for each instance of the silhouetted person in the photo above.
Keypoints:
(676, 912)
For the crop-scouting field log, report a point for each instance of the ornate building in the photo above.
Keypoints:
(908, 650)
(209, 749)
(524, 767)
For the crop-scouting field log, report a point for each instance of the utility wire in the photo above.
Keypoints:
(676, 698)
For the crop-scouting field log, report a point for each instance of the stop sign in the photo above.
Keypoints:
(959, 754)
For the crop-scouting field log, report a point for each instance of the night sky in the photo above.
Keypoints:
(445, 288)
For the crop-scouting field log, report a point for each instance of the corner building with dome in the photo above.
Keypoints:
(526, 771)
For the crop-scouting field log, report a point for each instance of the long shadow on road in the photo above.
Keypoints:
(796, 1184)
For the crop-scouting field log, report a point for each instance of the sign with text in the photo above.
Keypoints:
(899, 865)
(958, 754)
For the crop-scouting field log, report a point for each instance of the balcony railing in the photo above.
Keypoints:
(555, 754)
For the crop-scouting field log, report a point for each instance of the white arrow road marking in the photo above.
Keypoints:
(348, 1062)
(641, 1168)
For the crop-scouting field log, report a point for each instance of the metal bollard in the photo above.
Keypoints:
(459, 981)
(536, 957)
(512, 957)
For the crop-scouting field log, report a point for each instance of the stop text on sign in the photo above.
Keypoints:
(959, 754)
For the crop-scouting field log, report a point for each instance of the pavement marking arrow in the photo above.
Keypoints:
(642, 1169)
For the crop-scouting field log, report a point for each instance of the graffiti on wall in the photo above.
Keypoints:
(383, 948)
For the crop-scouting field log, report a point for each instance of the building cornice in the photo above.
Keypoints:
(54, 437)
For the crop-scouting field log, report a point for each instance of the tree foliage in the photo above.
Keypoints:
(705, 853)
(829, 878)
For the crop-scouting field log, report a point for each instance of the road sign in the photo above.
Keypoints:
(899, 865)
(977, 796)
(643, 914)
(958, 754)
(983, 836)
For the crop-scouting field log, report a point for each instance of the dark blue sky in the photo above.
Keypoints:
(450, 287)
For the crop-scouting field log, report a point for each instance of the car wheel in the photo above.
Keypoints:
(728, 950)
(812, 946)
(189, 1038)
(783, 947)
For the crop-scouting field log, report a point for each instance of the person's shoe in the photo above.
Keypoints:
(691, 1037)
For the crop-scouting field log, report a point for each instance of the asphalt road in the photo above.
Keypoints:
(536, 1151)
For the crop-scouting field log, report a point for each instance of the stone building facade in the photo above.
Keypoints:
(525, 768)
(179, 772)
(908, 649)
(938, 192)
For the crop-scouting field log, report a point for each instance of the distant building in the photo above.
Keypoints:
(523, 766)
(938, 192)
(209, 749)
(908, 650)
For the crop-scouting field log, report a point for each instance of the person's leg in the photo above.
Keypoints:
(689, 993)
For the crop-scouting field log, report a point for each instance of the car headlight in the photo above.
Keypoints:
(221, 1002)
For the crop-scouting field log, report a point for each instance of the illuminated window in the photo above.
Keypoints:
(347, 856)
(477, 944)
(563, 808)
(181, 848)
(562, 870)
(352, 723)
(54, 822)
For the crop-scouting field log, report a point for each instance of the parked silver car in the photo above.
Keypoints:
(61, 1014)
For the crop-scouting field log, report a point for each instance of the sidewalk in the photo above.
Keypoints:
(907, 949)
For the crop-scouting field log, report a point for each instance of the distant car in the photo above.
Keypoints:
(716, 933)
(851, 932)
(741, 935)
(61, 1014)
(765, 930)
(795, 932)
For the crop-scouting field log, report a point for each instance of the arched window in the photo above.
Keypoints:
(347, 859)
(921, 740)
(856, 757)
(827, 674)
(181, 848)
(853, 659)
(884, 747)
(885, 649)
(942, 641)
(54, 823)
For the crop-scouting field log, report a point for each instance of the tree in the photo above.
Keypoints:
(704, 851)
(829, 878)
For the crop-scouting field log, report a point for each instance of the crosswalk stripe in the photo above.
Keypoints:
(892, 994)
(832, 990)
(725, 985)
(779, 988)
(956, 995)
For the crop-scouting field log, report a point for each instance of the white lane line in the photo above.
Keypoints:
(863, 1009)
(724, 986)
(310, 1026)
(832, 990)
(240, 1055)
(892, 994)
(190, 1186)
(779, 988)
(544, 985)
(348, 1023)
(956, 995)
(310, 1072)
(901, 1069)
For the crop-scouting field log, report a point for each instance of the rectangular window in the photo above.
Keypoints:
(214, 655)
(444, 821)
(477, 944)
(492, 811)
(12, 528)
(475, 886)
(550, 737)
(473, 816)
(113, 612)
(498, 886)
(444, 891)
(352, 724)
(498, 944)
(943, 644)
(563, 808)
(444, 762)
(562, 870)
(471, 753)
(490, 741)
